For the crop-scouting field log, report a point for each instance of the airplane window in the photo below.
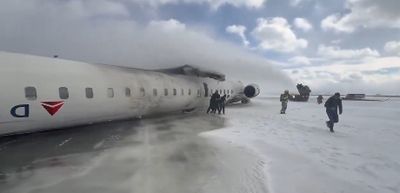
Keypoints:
(142, 92)
(166, 92)
(63, 92)
(182, 92)
(189, 91)
(220, 91)
(30, 93)
(89, 93)
(154, 91)
(128, 92)
(198, 93)
(224, 91)
(110, 92)
(174, 91)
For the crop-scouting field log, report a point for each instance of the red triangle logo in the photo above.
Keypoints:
(52, 107)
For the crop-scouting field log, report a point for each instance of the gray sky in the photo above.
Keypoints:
(333, 45)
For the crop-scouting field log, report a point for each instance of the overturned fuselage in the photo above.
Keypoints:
(44, 93)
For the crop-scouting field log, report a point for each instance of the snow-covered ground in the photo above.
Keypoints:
(299, 154)
(251, 149)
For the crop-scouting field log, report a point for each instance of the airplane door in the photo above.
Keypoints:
(205, 89)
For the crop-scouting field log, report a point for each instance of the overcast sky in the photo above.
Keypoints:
(331, 45)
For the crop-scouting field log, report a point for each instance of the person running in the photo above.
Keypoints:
(284, 101)
(331, 106)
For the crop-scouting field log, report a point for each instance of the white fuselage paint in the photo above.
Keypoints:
(47, 75)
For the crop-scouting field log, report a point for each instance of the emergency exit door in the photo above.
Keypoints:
(205, 89)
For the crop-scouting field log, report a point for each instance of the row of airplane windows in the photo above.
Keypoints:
(31, 93)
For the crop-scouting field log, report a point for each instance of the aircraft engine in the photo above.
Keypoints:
(251, 90)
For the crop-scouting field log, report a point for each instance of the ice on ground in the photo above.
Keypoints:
(301, 155)
(147, 156)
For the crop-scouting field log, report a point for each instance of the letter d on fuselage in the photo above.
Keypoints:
(20, 111)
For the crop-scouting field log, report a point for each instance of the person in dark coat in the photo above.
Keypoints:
(213, 102)
(332, 104)
(320, 99)
(216, 102)
(221, 106)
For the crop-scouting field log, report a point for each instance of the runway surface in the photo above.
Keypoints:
(152, 155)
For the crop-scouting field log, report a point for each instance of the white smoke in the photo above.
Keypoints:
(104, 32)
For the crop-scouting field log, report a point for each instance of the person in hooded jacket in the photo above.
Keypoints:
(332, 105)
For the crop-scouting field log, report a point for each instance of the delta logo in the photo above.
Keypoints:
(52, 107)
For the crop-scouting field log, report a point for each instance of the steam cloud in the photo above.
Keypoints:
(104, 32)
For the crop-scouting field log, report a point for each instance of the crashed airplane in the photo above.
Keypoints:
(40, 93)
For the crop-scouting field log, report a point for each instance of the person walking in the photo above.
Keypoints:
(332, 104)
(284, 101)
(213, 102)
(221, 106)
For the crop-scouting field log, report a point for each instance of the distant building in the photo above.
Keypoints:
(354, 97)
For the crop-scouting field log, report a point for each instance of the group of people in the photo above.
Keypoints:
(217, 103)
(333, 105)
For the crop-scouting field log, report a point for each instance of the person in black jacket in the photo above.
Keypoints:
(331, 106)
(213, 102)
(221, 104)
(320, 99)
